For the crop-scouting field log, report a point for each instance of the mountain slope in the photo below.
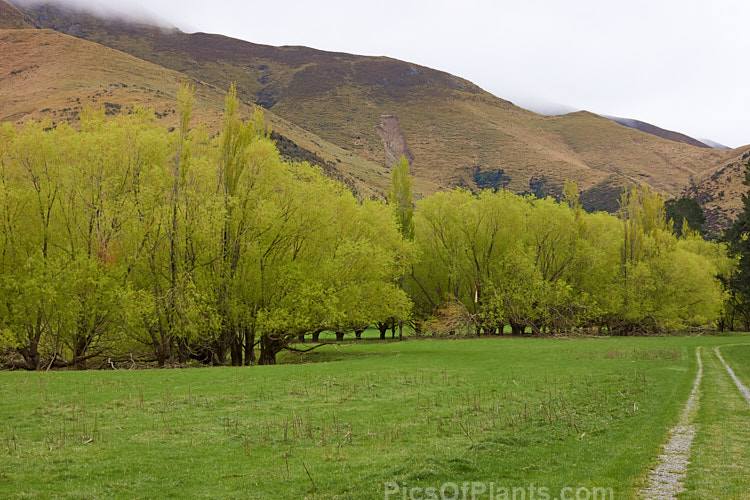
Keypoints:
(47, 75)
(458, 133)
(12, 18)
(720, 192)
(659, 132)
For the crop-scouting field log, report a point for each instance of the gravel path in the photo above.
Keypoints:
(743, 389)
(666, 480)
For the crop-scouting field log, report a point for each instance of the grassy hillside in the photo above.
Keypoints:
(654, 130)
(720, 192)
(12, 18)
(48, 75)
(459, 134)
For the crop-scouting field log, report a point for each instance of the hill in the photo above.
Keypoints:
(660, 132)
(48, 75)
(12, 18)
(458, 133)
(720, 192)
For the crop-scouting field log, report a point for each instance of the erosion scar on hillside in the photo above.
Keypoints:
(394, 141)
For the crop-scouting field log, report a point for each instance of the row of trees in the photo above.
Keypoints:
(498, 259)
(123, 238)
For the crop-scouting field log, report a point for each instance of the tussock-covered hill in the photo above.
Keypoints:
(660, 132)
(12, 18)
(720, 192)
(458, 133)
(48, 75)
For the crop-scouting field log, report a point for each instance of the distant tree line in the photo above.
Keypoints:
(123, 241)
(497, 260)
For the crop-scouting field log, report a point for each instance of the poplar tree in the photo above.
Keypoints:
(235, 139)
(400, 197)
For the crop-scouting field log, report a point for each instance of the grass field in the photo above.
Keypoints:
(369, 417)
(720, 466)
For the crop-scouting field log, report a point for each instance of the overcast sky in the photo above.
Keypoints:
(678, 64)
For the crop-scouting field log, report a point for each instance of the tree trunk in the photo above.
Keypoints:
(235, 349)
(316, 336)
(401, 330)
(516, 328)
(340, 336)
(183, 351)
(31, 355)
(358, 333)
(80, 346)
(269, 348)
(158, 344)
(383, 328)
(249, 346)
(418, 330)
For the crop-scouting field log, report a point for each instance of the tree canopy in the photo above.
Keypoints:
(539, 266)
(124, 238)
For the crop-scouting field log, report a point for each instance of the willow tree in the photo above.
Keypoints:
(32, 300)
(167, 247)
(326, 261)
(66, 202)
(666, 284)
(467, 244)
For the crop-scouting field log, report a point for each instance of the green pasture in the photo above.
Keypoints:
(348, 420)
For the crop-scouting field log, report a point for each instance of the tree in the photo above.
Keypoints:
(686, 214)
(236, 188)
(497, 259)
(665, 284)
(121, 236)
(65, 199)
(464, 241)
(737, 238)
(168, 243)
(400, 197)
(646, 228)
(332, 263)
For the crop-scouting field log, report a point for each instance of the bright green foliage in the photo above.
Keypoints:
(67, 204)
(646, 230)
(237, 175)
(324, 261)
(400, 197)
(124, 238)
(571, 195)
(666, 284)
(495, 259)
